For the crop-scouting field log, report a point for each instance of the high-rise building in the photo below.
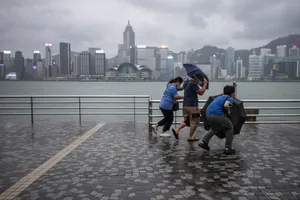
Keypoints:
(2, 67)
(92, 61)
(182, 57)
(65, 58)
(36, 56)
(84, 63)
(124, 50)
(40, 69)
(281, 51)
(100, 62)
(48, 59)
(215, 66)
(30, 68)
(240, 69)
(128, 38)
(163, 52)
(146, 55)
(229, 61)
(19, 65)
(170, 67)
(294, 52)
(75, 66)
(264, 51)
(255, 67)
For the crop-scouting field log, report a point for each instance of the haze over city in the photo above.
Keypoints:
(182, 25)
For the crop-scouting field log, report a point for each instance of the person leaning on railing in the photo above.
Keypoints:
(191, 111)
(167, 102)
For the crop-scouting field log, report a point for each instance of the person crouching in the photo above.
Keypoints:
(216, 116)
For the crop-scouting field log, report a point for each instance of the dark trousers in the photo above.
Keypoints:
(167, 120)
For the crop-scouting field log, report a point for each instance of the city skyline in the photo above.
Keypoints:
(155, 23)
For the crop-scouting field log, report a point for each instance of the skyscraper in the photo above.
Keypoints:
(229, 61)
(281, 51)
(92, 61)
(255, 67)
(65, 58)
(128, 38)
(294, 52)
(36, 57)
(99, 63)
(48, 59)
(2, 67)
(84, 63)
(19, 65)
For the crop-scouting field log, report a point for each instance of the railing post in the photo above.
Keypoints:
(79, 103)
(134, 109)
(31, 110)
(235, 87)
(149, 115)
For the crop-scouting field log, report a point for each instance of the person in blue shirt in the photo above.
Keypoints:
(167, 102)
(216, 116)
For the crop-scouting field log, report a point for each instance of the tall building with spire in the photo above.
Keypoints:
(124, 50)
(128, 37)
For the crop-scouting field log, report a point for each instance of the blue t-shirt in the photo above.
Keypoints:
(168, 99)
(190, 95)
(217, 106)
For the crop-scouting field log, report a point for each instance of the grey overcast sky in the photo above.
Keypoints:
(27, 25)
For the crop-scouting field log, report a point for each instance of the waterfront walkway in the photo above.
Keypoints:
(122, 161)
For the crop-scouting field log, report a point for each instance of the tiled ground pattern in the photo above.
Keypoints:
(123, 162)
(23, 148)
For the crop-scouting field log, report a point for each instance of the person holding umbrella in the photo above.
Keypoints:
(191, 112)
(167, 102)
(216, 115)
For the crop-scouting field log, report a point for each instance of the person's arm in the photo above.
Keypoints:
(178, 97)
(175, 94)
(202, 90)
(228, 104)
(180, 88)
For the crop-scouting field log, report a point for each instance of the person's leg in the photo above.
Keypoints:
(169, 116)
(215, 126)
(183, 124)
(161, 122)
(228, 127)
(194, 115)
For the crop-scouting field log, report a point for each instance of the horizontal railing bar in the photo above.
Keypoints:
(255, 122)
(250, 100)
(74, 96)
(57, 102)
(137, 113)
(251, 115)
(14, 102)
(259, 108)
(66, 108)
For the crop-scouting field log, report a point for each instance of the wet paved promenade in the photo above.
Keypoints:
(124, 162)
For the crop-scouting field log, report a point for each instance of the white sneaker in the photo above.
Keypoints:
(155, 128)
(165, 135)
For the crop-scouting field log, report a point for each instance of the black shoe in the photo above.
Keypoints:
(175, 134)
(204, 146)
(229, 151)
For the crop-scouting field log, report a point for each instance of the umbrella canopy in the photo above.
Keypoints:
(192, 70)
(237, 115)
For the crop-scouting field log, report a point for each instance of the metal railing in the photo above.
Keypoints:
(134, 105)
(273, 105)
(76, 103)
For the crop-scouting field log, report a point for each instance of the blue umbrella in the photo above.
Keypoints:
(192, 70)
